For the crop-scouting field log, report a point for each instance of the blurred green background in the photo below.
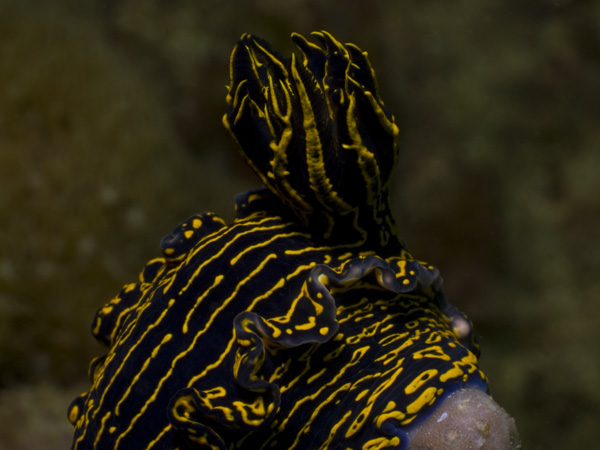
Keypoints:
(110, 134)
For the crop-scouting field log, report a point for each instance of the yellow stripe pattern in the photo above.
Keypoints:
(316, 132)
(302, 324)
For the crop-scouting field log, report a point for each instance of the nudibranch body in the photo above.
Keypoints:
(305, 323)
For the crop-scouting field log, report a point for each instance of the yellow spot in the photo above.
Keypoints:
(307, 326)
(390, 406)
(254, 197)
(323, 279)
(323, 331)
(397, 415)
(420, 380)
(253, 413)
(276, 332)
(452, 373)
(358, 423)
(435, 351)
(188, 234)
(334, 354)
(74, 414)
(427, 395)
(412, 324)
(244, 342)
(165, 339)
(381, 443)
(361, 395)
(196, 223)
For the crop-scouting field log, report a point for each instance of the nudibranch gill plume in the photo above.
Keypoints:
(305, 323)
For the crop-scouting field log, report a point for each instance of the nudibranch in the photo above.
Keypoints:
(305, 323)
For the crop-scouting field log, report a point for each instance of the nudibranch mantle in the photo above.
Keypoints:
(303, 324)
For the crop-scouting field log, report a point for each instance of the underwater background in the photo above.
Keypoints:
(110, 135)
